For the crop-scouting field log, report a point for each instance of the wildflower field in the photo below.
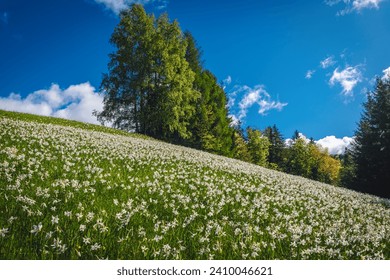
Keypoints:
(75, 191)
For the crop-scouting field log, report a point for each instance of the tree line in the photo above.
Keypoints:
(298, 156)
(157, 85)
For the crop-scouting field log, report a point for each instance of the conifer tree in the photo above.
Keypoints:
(193, 53)
(277, 147)
(348, 169)
(371, 149)
(296, 135)
(210, 123)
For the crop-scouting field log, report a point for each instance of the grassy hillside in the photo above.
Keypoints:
(75, 191)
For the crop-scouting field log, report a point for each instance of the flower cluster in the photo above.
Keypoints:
(69, 193)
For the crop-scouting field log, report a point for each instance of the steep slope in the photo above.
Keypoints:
(68, 192)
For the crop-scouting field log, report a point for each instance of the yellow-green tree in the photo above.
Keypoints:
(324, 168)
(258, 146)
(240, 148)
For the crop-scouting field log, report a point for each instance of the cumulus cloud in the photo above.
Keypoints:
(327, 62)
(257, 96)
(348, 78)
(362, 4)
(335, 146)
(354, 5)
(77, 102)
(250, 97)
(118, 5)
(309, 74)
(386, 74)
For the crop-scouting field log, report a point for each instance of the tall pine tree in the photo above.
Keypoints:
(210, 123)
(371, 149)
(277, 148)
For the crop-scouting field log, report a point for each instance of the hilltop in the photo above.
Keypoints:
(69, 190)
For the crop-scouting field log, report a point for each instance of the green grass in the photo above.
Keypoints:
(70, 190)
(63, 122)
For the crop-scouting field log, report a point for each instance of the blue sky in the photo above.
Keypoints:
(298, 64)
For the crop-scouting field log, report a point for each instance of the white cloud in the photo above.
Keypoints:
(77, 102)
(115, 5)
(327, 62)
(251, 97)
(362, 4)
(257, 96)
(348, 78)
(227, 81)
(386, 74)
(118, 5)
(309, 74)
(335, 146)
(14, 102)
(354, 5)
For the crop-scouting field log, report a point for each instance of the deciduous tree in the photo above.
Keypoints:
(149, 86)
(258, 146)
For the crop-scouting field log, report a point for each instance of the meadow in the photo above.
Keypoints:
(75, 191)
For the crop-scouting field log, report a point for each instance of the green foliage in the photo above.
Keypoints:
(193, 53)
(308, 160)
(371, 149)
(296, 135)
(348, 170)
(258, 146)
(210, 123)
(240, 147)
(277, 148)
(149, 85)
(156, 85)
(298, 158)
(323, 167)
(125, 86)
